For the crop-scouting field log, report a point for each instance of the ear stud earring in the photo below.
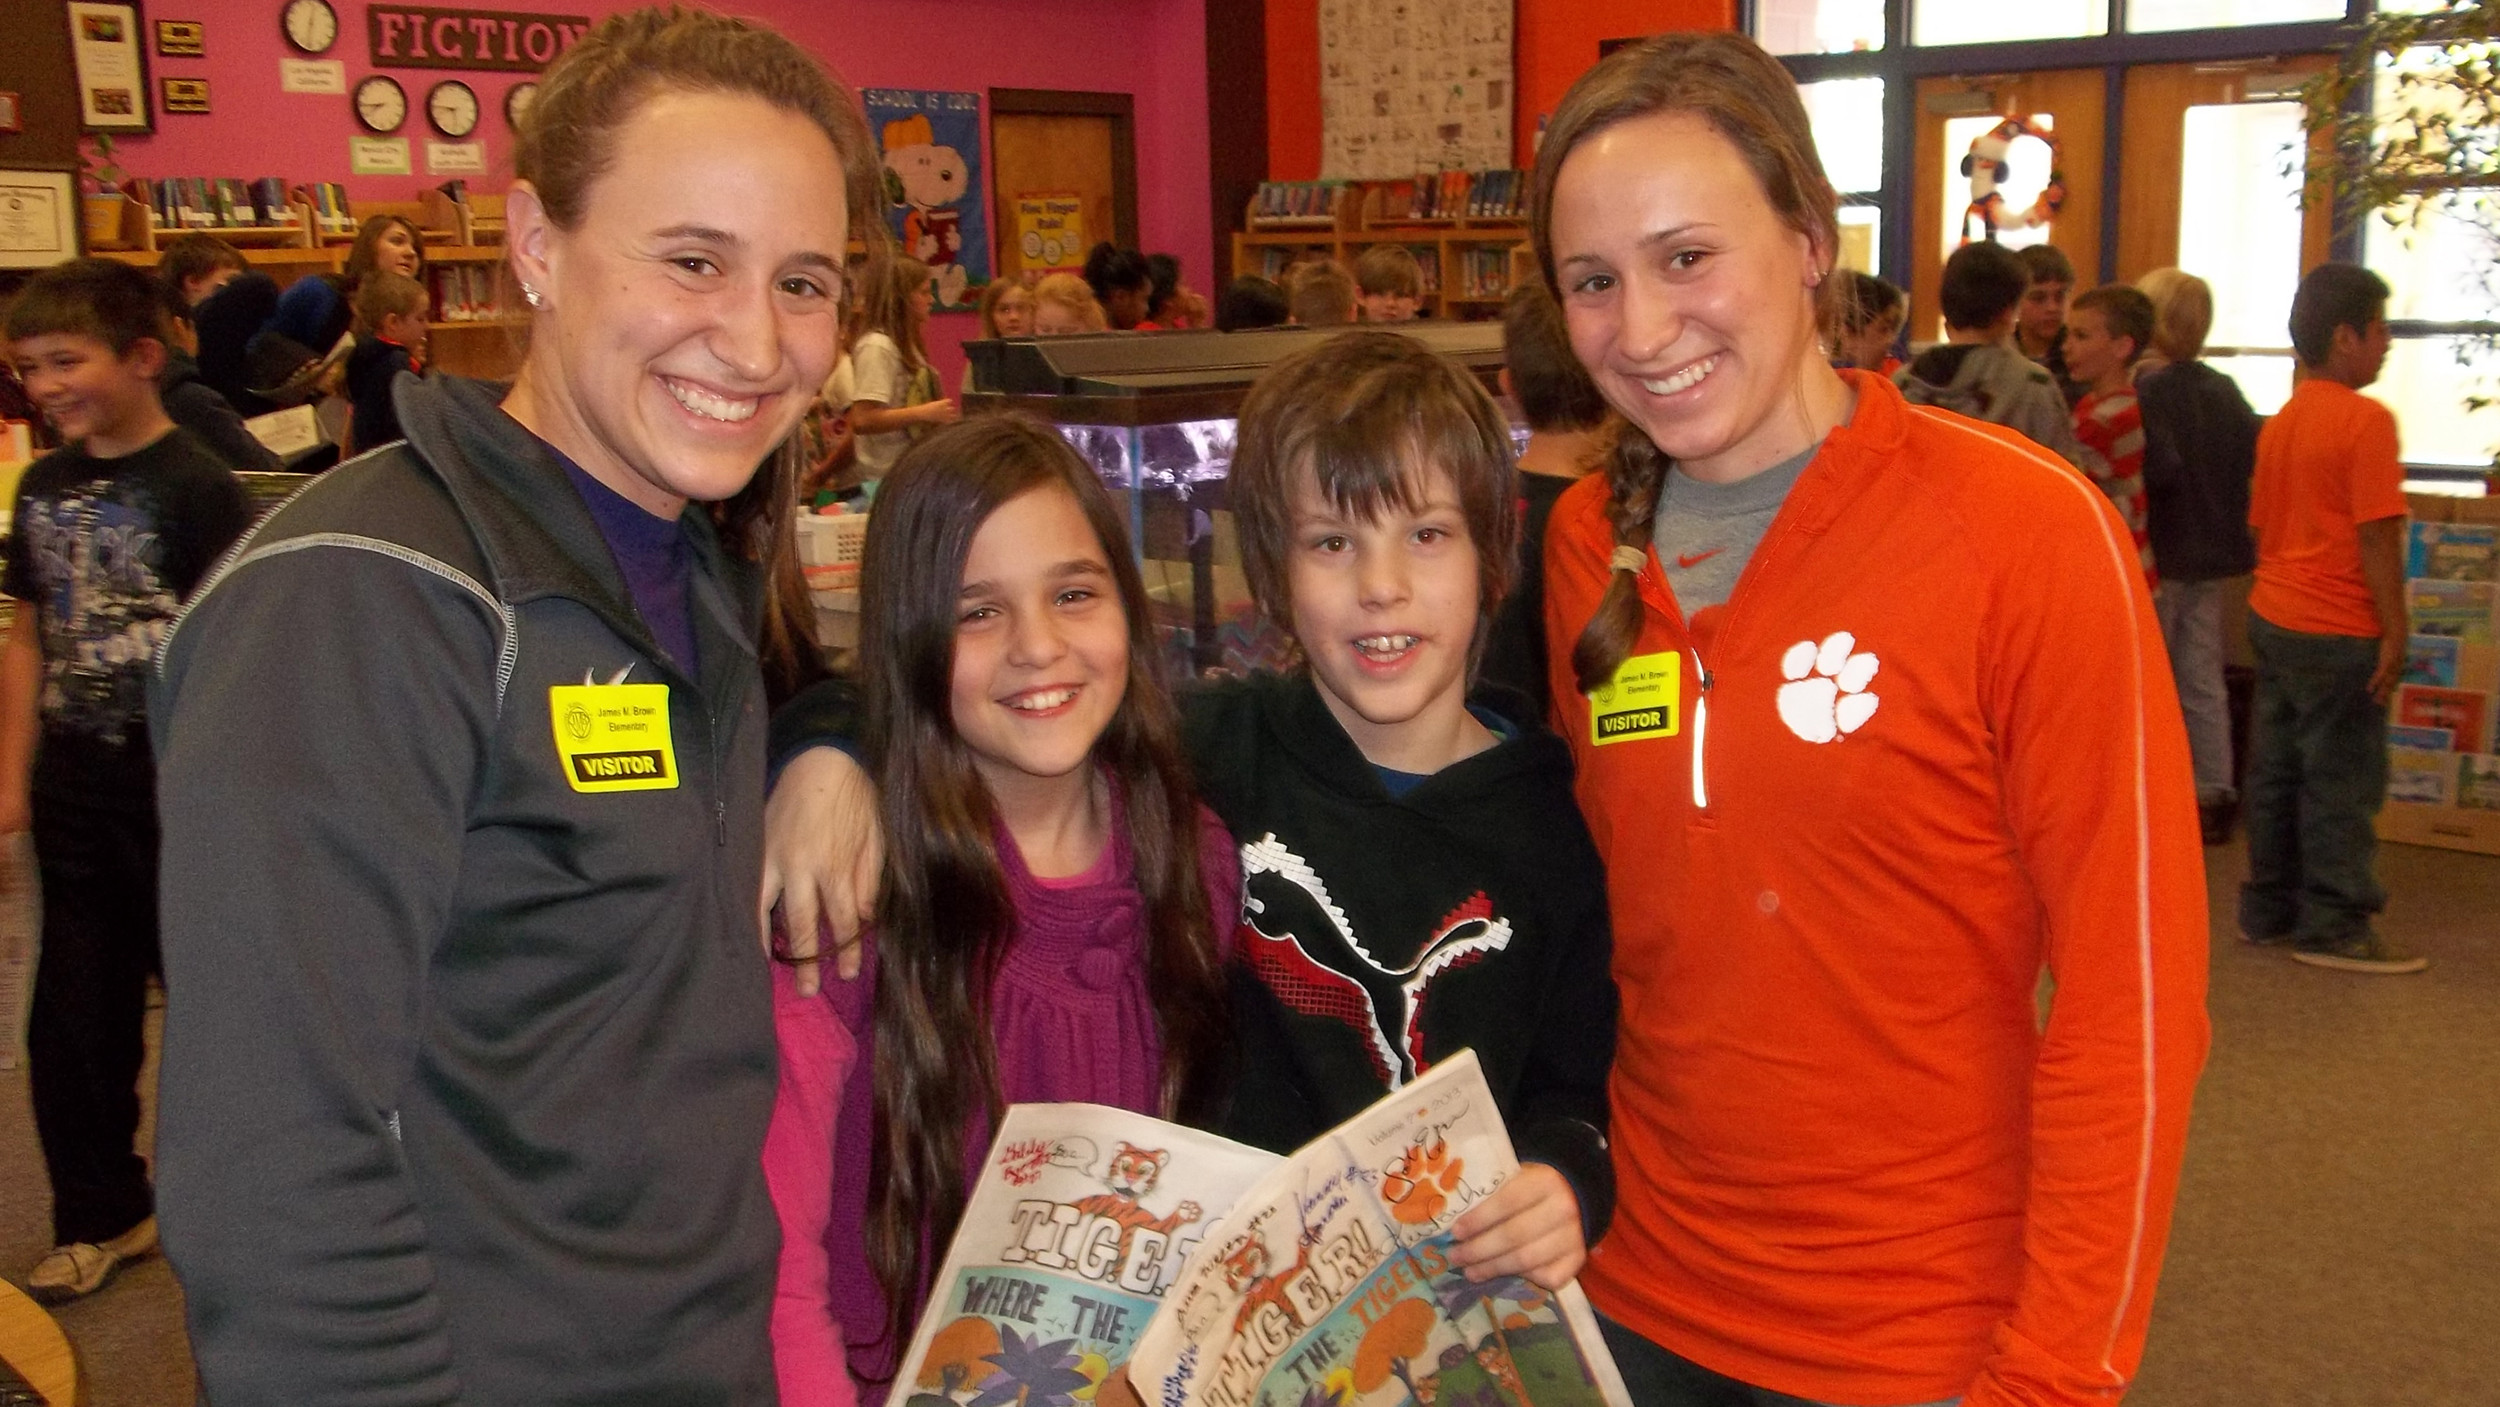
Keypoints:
(532, 296)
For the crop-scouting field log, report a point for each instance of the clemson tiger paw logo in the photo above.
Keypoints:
(1418, 1184)
(1825, 698)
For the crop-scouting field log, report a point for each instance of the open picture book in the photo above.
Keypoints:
(1214, 1273)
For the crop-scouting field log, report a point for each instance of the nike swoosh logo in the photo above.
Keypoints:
(1685, 562)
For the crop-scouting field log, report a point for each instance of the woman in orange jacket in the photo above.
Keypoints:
(1873, 725)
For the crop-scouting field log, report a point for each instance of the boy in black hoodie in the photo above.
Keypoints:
(1416, 877)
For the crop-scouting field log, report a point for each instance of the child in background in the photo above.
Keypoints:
(195, 405)
(1249, 303)
(2106, 331)
(894, 391)
(112, 532)
(1321, 294)
(1169, 302)
(1869, 321)
(1041, 837)
(2328, 622)
(1123, 283)
(1567, 436)
(2040, 324)
(1389, 283)
(391, 338)
(1006, 311)
(1064, 305)
(1976, 372)
(2200, 447)
(196, 265)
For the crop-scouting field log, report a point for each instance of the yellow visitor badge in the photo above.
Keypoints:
(613, 737)
(1644, 699)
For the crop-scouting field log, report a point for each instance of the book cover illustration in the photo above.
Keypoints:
(2432, 659)
(2478, 781)
(1330, 1284)
(1083, 1215)
(2423, 778)
(2454, 551)
(2460, 711)
(2421, 739)
(2461, 609)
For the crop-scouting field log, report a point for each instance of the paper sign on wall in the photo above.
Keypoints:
(312, 76)
(455, 158)
(931, 143)
(378, 156)
(1050, 231)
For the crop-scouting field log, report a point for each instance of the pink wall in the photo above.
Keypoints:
(1151, 49)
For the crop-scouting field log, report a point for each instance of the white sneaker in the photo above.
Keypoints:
(80, 1269)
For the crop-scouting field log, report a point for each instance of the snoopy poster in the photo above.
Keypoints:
(930, 144)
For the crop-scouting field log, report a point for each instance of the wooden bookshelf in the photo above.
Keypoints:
(1364, 219)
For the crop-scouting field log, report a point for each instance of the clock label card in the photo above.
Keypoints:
(378, 156)
(312, 76)
(455, 158)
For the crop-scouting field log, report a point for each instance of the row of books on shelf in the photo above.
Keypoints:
(1468, 195)
(1483, 273)
(213, 202)
(467, 293)
(1313, 201)
(230, 202)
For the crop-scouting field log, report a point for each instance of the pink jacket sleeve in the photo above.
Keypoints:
(817, 1052)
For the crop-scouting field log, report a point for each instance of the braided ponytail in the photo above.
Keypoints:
(1635, 474)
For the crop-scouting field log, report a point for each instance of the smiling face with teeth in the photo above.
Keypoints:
(1690, 300)
(1041, 647)
(690, 315)
(1385, 607)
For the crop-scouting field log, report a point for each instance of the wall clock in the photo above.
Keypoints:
(452, 107)
(310, 25)
(516, 104)
(381, 104)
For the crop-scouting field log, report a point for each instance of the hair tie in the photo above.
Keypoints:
(1628, 559)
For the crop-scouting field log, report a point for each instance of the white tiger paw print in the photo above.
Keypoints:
(1826, 697)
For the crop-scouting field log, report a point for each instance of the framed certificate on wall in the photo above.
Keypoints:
(39, 219)
(112, 67)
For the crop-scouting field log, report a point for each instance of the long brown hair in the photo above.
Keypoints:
(944, 917)
(365, 255)
(885, 304)
(1748, 98)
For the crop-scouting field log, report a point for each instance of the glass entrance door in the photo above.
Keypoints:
(1966, 154)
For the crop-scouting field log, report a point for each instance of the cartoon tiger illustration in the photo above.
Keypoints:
(1245, 1273)
(1131, 1175)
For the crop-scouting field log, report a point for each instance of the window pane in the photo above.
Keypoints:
(2029, 158)
(2440, 267)
(1848, 118)
(2144, 16)
(2266, 381)
(1861, 238)
(2239, 216)
(1819, 26)
(1989, 21)
(2425, 384)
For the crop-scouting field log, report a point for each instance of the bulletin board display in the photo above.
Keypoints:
(1414, 85)
(930, 144)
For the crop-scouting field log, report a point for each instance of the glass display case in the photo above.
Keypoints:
(1154, 415)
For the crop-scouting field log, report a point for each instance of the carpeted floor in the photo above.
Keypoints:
(2337, 1233)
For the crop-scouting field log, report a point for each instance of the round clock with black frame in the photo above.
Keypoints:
(312, 26)
(516, 104)
(452, 107)
(381, 104)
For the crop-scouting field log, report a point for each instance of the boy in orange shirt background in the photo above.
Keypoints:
(2327, 623)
